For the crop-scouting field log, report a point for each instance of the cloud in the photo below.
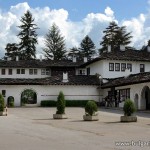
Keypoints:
(93, 25)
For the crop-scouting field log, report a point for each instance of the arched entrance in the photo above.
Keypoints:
(136, 100)
(28, 96)
(10, 101)
(145, 98)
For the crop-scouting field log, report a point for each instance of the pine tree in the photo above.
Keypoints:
(115, 36)
(87, 47)
(54, 44)
(27, 36)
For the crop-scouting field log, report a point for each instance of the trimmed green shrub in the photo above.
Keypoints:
(61, 103)
(76, 103)
(91, 108)
(48, 103)
(69, 103)
(129, 107)
(2, 103)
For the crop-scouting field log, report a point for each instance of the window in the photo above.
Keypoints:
(35, 71)
(129, 66)
(10, 71)
(81, 72)
(88, 71)
(4, 93)
(22, 71)
(18, 71)
(111, 66)
(42, 71)
(3, 71)
(142, 68)
(117, 67)
(45, 72)
(31, 71)
(124, 94)
(123, 67)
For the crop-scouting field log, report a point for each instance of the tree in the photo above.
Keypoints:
(28, 36)
(74, 52)
(87, 47)
(54, 44)
(12, 51)
(115, 36)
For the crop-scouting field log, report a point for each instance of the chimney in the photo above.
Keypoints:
(9, 58)
(85, 59)
(122, 47)
(74, 58)
(109, 48)
(148, 48)
(17, 58)
(40, 57)
(65, 77)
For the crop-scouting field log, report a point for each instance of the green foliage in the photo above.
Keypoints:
(69, 103)
(87, 47)
(54, 44)
(27, 36)
(129, 107)
(61, 103)
(10, 101)
(115, 36)
(48, 103)
(76, 103)
(2, 104)
(91, 108)
(12, 51)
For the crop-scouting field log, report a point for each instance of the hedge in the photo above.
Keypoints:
(69, 103)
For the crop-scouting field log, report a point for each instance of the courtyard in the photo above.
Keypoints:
(34, 129)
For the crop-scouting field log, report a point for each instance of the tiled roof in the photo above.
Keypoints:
(131, 79)
(39, 64)
(54, 80)
(128, 55)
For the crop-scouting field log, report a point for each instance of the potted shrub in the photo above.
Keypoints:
(90, 111)
(2, 107)
(129, 109)
(61, 104)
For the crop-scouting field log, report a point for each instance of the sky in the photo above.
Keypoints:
(75, 19)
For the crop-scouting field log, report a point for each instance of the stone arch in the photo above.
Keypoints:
(28, 96)
(136, 101)
(145, 98)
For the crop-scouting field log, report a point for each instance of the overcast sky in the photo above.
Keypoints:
(76, 19)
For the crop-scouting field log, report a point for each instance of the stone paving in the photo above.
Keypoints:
(34, 129)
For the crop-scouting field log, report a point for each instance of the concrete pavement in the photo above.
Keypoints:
(34, 129)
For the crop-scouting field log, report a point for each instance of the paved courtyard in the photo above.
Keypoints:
(34, 129)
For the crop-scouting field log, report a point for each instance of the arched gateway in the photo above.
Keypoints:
(145, 98)
(28, 96)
